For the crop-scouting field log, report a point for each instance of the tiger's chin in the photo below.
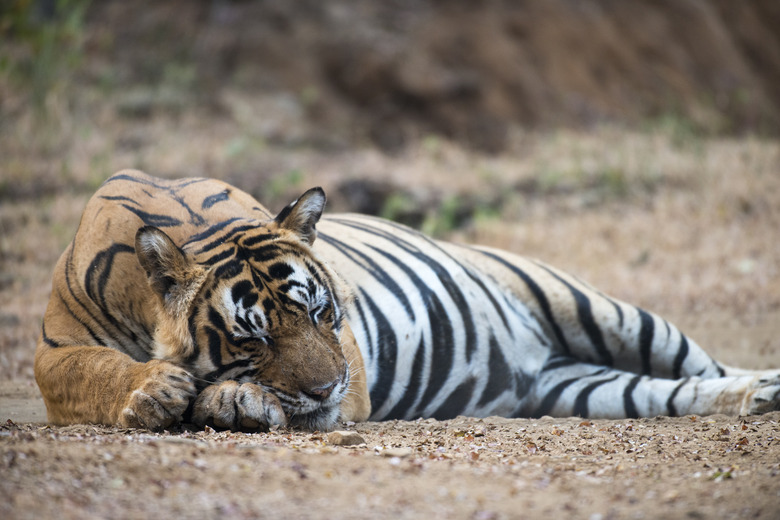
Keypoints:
(323, 418)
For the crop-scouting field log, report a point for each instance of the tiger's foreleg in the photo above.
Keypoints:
(567, 387)
(89, 384)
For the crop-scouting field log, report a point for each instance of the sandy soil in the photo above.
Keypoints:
(688, 467)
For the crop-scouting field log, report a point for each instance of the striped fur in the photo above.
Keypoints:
(207, 302)
(448, 329)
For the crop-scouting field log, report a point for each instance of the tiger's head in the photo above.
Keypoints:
(249, 301)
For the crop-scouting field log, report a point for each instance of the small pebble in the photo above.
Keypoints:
(345, 438)
(397, 452)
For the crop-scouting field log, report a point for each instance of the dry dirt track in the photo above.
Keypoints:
(689, 467)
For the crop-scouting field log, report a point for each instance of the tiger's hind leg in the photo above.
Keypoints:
(591, 327)
(566, 387)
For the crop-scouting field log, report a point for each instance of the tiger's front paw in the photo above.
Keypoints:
(161, 399)
(237, 407)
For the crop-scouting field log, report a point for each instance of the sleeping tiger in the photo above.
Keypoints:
(186, 300)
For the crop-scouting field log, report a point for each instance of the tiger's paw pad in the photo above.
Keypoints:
(161, 400)
(234, 406)
(765, 397)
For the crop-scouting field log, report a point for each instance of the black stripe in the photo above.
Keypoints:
(585, 315)
(46, 339)
(214, 199)
(227, 237)
(227, 253)
(538, 293)
(500, 377)
(456, 401)
(417, 282)
(68, 266)
(404, 405)
(181, 183)
(496, 306)
(210, 231)
(581, 402)
(646, 333)
(255, 239)
(461, 305)
(552, 397)
(377, 272)
(362, 316)
(670, 407)
(241, 290)
(619, 312)
(152, 219)
(523, 383)
(679, 359)
(215, 345)
(266, 252)
(191, 327)
(629, 406)
(188, 181)
(280, 271)
(215, 318)
(555, 362)
(95, 338)
(387, 355)
(195, 218)
(101, 265)
(213, 376)
(261, 210)
(137, 180)
(119, 197)
(442, 356)
(444, 276)
(228, 270)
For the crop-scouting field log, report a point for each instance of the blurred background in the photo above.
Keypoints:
(632, 143)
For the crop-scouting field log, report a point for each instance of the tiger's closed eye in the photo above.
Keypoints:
(318, 311)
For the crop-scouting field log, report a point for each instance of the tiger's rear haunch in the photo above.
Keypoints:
(187, 298)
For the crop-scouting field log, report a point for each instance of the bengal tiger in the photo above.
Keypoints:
(186, 300)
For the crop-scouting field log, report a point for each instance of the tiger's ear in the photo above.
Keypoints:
(174, 277)
(301, 215)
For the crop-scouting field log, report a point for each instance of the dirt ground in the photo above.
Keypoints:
(666, 212)
(687, 467)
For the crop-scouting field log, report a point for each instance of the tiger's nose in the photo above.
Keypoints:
(322, 392)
